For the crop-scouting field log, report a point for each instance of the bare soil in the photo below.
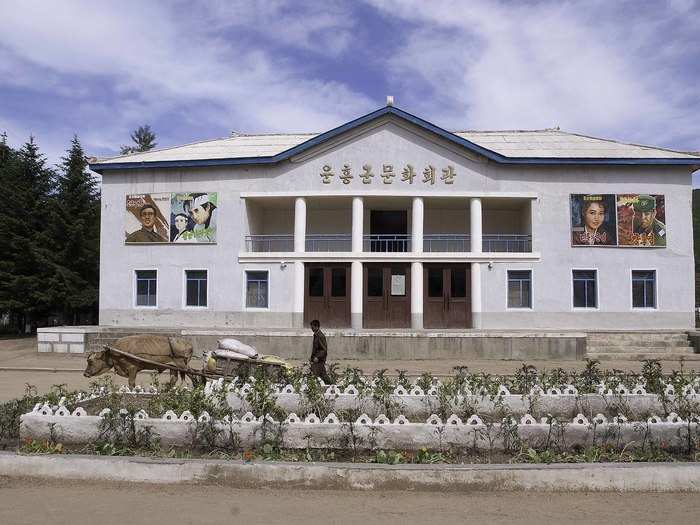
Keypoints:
(40, 502)
(22, 353)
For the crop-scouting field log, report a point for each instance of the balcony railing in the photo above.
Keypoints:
(386, 243)
(341, 242)
(514, 243)
(507, 243)
(269, 243)
(446, 242)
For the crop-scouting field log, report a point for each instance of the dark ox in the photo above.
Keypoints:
(161, 349)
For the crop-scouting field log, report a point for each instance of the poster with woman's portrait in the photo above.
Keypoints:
(641, 220)
(593, 220)
(193, 217)
(147, 218)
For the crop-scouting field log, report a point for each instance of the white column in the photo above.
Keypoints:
(417, 225)
(476, 294)
(357, 223)
(356, 295)
(476, 247)
(300, 224)
(475, 225)
(417, 295)
(298, 295)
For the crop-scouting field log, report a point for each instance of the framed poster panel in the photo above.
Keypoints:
(593, 220)
(641, 220)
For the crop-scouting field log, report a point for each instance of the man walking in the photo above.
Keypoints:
(319, 352)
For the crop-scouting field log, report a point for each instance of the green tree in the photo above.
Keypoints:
(76, 234)
(144, 140)
(28, 249)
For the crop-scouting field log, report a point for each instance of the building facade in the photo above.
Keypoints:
(391, 222)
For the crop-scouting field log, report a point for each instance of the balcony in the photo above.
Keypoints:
(432, 243)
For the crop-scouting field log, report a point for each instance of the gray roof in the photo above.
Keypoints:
(548, 145)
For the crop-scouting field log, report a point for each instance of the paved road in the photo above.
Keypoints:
(30, 502)
(22, 353)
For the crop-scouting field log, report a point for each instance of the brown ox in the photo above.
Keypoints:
(167, 350)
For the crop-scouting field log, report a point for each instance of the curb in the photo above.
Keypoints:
(631, 477)
(38, 369)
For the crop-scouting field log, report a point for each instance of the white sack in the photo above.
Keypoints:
(229, 353)
(237, 346)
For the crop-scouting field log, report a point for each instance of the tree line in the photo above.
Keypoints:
(50, 235)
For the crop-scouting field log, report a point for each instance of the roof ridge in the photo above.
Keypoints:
(631, 143)
(133, 155)
(552, 130)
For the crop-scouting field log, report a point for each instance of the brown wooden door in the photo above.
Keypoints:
(327, 294)
(387, 295)
(446, 296)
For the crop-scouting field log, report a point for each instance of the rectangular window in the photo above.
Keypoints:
(585, 288)
(644, 288)
(256, 295)
(146, 282)
(196, 288)
(519, 289)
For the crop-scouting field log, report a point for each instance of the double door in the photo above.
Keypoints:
(446, 296)
(327, 294)
(387, 295)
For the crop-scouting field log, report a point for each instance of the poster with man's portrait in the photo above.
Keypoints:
(641, 220)
(147, 218)
(193, 217)
(593, 220)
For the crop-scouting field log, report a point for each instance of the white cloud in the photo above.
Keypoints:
(604, 68)
(166, 58)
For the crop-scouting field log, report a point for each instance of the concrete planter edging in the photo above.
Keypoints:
(641, 477)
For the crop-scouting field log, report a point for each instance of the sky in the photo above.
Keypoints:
(626, 70)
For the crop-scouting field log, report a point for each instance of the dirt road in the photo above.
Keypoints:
(36, 368)
(30, 502)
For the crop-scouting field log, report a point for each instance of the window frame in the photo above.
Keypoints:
(245, 290)
(532, 290)
(597, 290)
(656, 290)
(134, 294)
(185, 306)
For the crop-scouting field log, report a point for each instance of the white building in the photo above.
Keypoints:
(391, 222)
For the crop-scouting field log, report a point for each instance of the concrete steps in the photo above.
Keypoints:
(635, 346)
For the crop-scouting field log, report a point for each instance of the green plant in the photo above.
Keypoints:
(391, 457)
(424, 456)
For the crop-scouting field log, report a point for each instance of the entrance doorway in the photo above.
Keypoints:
(446, 296)
(387, 295)
(388, 231)
(327, 294)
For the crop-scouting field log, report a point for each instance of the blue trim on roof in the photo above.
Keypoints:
(388, 110)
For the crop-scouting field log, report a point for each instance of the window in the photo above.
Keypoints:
(146, 282)
(316, 282)
(585, 288)
(643, 288)
(256, 295)
(519, 289)
(375, 282)
(196, 288)
(339, 285)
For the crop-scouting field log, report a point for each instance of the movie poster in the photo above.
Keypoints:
(171, 218)
(147, 218)
(641, 220)
(593, 220)
(193, 217)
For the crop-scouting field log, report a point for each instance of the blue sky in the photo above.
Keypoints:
(197, 70)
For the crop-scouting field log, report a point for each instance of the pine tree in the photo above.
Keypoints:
(27, 269)
(76, 234)
(144, 139)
